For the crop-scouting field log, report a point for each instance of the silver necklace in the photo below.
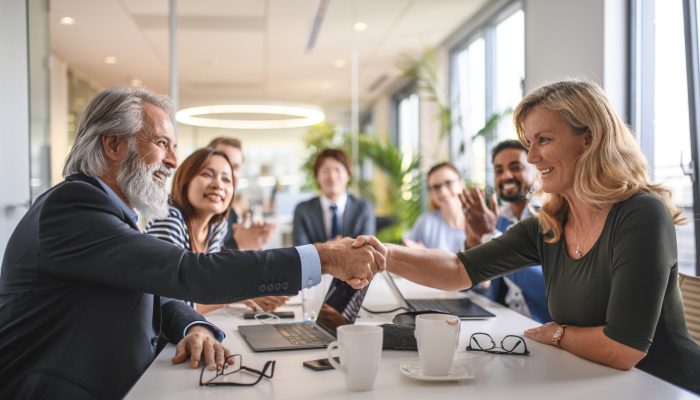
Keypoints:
(578, 251)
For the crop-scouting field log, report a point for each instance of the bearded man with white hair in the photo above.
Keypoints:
(86, 299)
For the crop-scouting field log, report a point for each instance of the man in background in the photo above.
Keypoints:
(514, 179)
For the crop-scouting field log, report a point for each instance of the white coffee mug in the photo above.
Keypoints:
(437, 336)
(360, 352)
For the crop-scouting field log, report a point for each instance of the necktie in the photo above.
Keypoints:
(335, 229)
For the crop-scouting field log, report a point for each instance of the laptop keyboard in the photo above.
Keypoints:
(303, 333)
(433, 305)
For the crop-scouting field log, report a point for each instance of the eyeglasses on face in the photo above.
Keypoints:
(510, 345)
(246, 376)
(438, 186)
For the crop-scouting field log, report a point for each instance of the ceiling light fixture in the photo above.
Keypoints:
(359, 26)
(68, 21)
(110, 60)
(299, 115)
(340, 63)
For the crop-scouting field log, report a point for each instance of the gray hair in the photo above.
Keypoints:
(118, 111)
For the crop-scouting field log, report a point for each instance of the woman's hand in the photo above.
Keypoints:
(543, 333)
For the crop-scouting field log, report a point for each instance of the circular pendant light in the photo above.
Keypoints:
(293, 116)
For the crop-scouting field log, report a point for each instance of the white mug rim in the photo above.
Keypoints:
(437, 317)
(358, 329)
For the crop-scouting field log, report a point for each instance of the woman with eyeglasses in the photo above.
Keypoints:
(201, 196)
(605, 237)
(442, 227)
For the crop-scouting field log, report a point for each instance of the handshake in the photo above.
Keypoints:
(354, 261)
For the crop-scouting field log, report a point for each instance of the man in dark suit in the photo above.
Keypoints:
(334, 213)
(81, 312)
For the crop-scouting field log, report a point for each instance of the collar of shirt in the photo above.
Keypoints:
(325, 207)
(118, 201)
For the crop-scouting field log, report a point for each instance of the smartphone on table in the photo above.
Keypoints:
(321, 364)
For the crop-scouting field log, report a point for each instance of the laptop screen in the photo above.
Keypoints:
(389, 279)
(341, 306)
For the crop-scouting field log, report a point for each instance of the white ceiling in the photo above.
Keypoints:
(234, 50)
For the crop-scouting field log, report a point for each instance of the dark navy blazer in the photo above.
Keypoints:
(358, 219)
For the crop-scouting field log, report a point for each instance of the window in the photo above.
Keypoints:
(660, 112)
(487, 74)
(408, 124)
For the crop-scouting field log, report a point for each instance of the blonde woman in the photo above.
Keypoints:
(605, 238)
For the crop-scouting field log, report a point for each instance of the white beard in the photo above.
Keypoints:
(137, 180)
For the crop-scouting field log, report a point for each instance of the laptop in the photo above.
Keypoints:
(340, 307)
(462, 307)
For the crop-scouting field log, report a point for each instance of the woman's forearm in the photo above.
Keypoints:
(589, 343)
(430, 267)
(592, 344)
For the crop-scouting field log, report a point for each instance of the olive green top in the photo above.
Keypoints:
(628, 283)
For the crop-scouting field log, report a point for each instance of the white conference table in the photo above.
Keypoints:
(547, 373)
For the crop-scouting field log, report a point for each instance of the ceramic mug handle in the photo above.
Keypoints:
(331, 359)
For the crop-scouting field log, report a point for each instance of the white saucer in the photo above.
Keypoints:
(414, 370)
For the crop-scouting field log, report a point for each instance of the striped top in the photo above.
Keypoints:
(173, 229)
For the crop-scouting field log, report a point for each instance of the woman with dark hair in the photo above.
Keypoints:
(442, 227)
(201, 196)
(604, 236)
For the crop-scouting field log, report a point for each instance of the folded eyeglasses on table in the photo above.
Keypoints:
(236, 374)
(510, 344)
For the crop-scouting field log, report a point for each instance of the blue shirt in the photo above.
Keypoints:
(434, 233)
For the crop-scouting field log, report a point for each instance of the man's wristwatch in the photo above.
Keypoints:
(558, 335)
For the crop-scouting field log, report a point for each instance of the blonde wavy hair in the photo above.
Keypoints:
(610, 170)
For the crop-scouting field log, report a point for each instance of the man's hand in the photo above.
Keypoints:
(200, 341)
(354, 261)
(252, 236)
(480, 219)
(265, 303)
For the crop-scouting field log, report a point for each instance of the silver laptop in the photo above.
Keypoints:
(462, 307)
(340, 307)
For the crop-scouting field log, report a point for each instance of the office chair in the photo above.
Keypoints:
(690, 291)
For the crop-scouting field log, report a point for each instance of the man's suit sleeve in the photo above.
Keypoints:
(83, 236)
(177, 315)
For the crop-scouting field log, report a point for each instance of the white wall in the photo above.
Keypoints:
(577, 39)
(14, 114)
